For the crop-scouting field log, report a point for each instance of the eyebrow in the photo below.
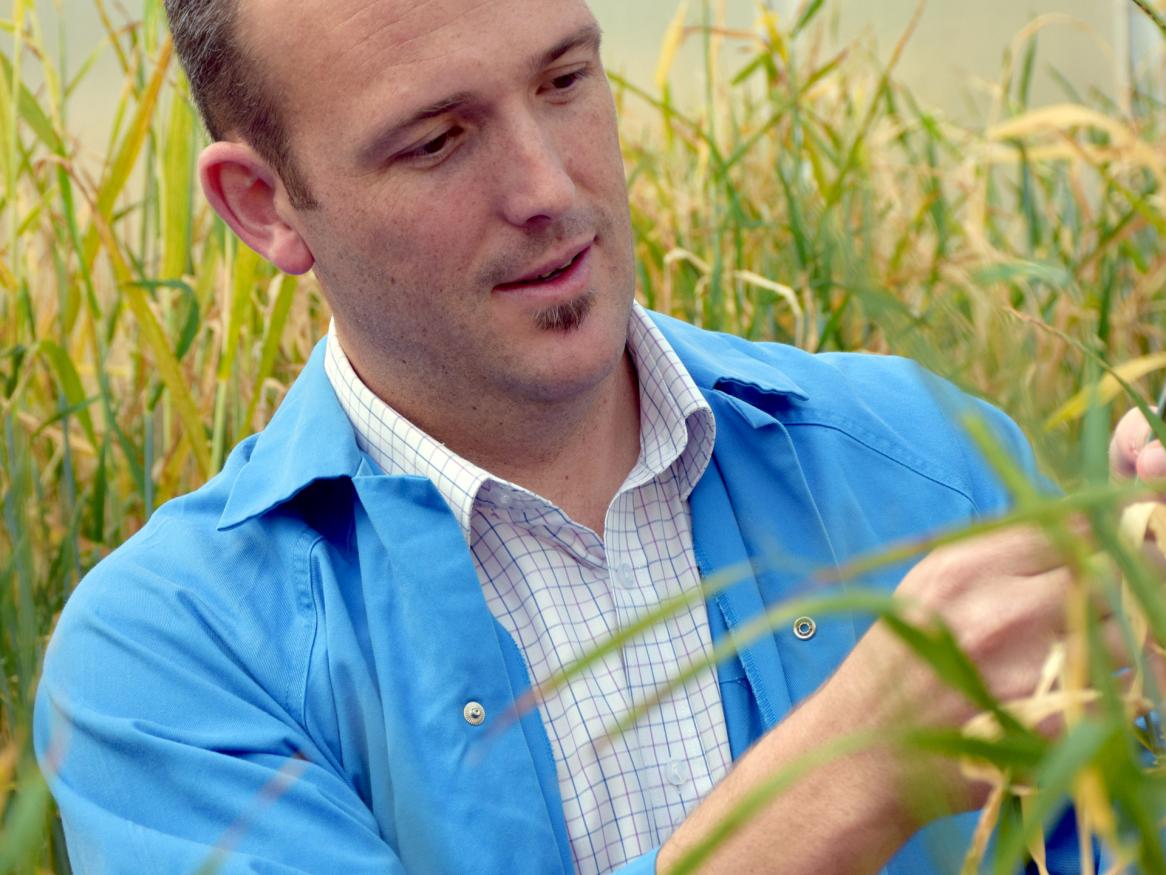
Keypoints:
(589, 36)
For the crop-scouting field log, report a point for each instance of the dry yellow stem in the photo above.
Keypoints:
(1146, 519)
(986, 825)
(673, 38)
(1031, 712)
(9, 755)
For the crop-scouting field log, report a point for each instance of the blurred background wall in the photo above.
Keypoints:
(955, 55)
(951, 62)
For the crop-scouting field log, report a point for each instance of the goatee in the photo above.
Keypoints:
(565, 317)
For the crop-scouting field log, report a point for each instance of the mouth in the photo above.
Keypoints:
(554, 272)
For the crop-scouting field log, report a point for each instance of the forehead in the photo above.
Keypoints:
(329, 58)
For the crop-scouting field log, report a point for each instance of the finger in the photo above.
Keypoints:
(1129, 439)
(1020, 551)
(1151, 462)
(1153, 554)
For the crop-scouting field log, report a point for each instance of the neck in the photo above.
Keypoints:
(576, 453)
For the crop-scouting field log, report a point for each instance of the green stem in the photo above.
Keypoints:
(1155, 15)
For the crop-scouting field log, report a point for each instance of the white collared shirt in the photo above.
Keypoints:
(559, 589)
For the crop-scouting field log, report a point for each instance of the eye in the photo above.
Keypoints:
(567, 81)
(435, 148)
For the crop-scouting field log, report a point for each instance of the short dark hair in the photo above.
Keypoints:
(229, 87)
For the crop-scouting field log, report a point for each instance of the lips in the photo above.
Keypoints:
(548, 271)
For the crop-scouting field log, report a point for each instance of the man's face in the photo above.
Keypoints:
(463, 153)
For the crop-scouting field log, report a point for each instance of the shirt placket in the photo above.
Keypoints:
(666, 739)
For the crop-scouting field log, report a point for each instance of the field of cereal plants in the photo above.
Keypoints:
(808, 199)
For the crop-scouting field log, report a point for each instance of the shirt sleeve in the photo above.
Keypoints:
(165, 754)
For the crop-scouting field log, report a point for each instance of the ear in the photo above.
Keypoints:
(244, 190)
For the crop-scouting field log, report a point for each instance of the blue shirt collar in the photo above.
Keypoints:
(310, 438)
(723, 362)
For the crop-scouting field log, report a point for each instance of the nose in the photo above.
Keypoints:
(535, 186)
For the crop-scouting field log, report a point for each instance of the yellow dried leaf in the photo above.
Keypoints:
(1059, 119)
(1139, 521)
(770, 24)
(1031, 711)
(1108, 388)
(673, 39)
(1094, 808)
(692, 258)
(985, 828)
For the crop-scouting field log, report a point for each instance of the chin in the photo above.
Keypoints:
(576, 375)
(581, 342)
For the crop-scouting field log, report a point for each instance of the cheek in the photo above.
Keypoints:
(392, 246)
(418, 270)
(603, 141)
(433, 232)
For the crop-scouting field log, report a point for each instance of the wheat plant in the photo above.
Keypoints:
(809, 198)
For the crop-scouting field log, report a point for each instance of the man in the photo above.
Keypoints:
(493, 460)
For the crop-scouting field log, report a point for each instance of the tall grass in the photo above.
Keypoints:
(809, 198)
(994, 255)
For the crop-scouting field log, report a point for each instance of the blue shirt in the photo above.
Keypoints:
(276, 669)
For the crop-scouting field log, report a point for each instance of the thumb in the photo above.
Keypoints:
(1128, 445)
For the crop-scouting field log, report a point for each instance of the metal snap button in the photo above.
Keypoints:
(804, 628)
(474, 713)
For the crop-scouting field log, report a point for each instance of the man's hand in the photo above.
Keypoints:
(1132, 453)
(1004, 598)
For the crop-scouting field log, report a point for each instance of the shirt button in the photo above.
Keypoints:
(505, 500)
(677, 772)
(624, 576)
(474, 713)
(804, 628)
